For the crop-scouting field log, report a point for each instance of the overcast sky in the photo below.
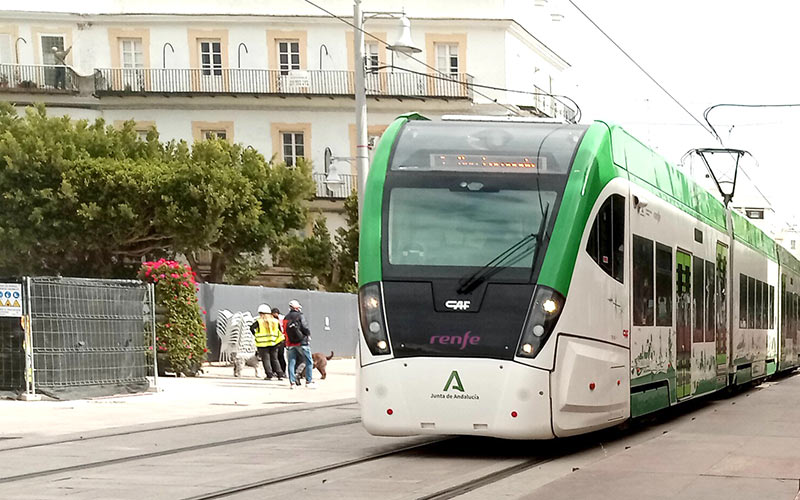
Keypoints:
(703, 52)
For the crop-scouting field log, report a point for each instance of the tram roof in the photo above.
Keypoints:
(659, 176)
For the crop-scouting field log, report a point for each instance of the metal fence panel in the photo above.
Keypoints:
(12, 339)
(333, 317)
(12, 356)
(90, 336)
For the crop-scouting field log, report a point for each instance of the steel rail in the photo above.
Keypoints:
(311, 472)
(266, 413)
(173, 451)
(479, 482)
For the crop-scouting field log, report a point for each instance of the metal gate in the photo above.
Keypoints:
(79, 338)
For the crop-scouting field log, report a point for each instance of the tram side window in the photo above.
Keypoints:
(759, 305)
(752, 292)
(771, 307)
(607, 238)
(783, 302)
(697, 298)
(710, 305)
(743, 301)
(764, 307)
(796, 323)
(643, 290)
(663, 285)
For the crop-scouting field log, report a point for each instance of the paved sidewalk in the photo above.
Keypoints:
(743, 447)
(214, 392)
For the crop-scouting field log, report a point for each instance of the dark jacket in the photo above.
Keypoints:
(292, 315)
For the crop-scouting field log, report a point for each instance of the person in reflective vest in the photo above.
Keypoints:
(268, 336)
(276, 313)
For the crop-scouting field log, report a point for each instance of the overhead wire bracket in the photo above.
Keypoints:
(706, 153)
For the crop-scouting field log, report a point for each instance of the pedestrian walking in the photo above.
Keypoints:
(268, 335)
(276, 313)
(298, 335)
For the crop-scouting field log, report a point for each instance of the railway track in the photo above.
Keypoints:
(266, 413)
(444, 449)
(225, 492)
(443, 494)
(173, 451)
(487, 479)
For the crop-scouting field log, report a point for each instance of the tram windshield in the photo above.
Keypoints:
(440, 227)
(460, 194)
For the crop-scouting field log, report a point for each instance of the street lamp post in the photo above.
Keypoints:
(403, 45)
(362, 153)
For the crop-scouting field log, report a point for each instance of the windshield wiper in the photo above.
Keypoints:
(506, 258)
(540, 238)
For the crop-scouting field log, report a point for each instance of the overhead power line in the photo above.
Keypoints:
(707, 126)
(715, 106)
(676, 101)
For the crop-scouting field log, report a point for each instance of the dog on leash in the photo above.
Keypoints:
(320, 362)
(242, 359)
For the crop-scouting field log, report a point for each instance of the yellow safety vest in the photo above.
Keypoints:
(268, 333)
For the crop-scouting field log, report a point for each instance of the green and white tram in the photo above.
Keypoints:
(539, 280)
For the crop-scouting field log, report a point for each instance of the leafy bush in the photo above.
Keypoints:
(180, 337)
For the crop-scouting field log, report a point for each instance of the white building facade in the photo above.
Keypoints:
(276, 75)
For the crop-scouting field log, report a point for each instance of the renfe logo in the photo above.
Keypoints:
(456, 340)
(457, 305)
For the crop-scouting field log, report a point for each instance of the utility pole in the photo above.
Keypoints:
(362, 153)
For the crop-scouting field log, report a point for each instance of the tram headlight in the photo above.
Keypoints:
(543, 314)
(373, 323)
(549, 306)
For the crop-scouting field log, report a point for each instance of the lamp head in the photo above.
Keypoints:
(333, 178)
(404, 43)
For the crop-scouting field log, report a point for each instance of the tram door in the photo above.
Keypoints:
(722, 314)
(683, 323)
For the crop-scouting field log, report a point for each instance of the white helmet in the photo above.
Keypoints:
(264, 308)
(295, 304)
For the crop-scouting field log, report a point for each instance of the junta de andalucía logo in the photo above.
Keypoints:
(453, 389)
(454, 382)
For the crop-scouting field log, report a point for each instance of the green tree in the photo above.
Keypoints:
(347, 248)
(318, 261)
(311, 258)
(86, 199)
(260, 211)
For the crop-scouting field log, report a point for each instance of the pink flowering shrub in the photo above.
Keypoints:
(181, 337)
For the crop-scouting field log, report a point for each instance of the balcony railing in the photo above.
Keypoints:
(553, 107)
(116, 81)
(335, 191)
(37, 78)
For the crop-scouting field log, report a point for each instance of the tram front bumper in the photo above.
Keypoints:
(486, 397)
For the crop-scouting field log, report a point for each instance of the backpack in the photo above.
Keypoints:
(293, 331)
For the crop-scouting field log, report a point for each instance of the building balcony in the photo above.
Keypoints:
(335, 191)
(38, 78)
(551, 107)
(122, 82)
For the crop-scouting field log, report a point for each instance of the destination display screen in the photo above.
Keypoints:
(504, 163)
(484, 147)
